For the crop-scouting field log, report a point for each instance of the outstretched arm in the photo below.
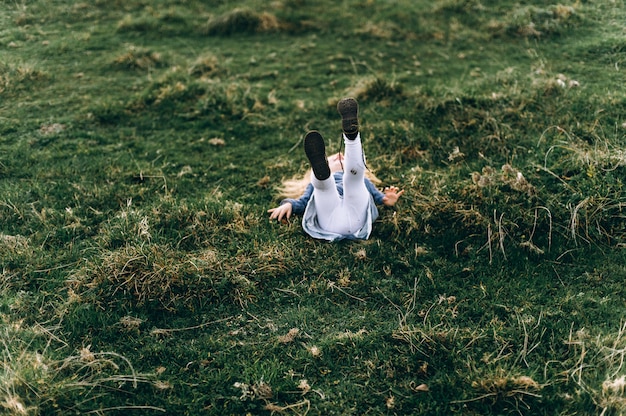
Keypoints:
(392, 194)
(280, 212)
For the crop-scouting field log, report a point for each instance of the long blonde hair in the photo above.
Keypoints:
(296, 185)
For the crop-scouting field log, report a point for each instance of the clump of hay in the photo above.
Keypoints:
(34, 381)
(374, 88)
(535, 22)
(242, 20)
(508, 176)
(204, 66)
(289, 337)
(15, 243)
(505, 387)
(138, 58)
(12, 75)
(159, 276)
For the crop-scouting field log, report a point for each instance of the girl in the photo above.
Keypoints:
(339, 202)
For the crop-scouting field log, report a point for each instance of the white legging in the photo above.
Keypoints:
(348, 214)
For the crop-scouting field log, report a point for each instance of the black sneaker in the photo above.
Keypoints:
(349, 110)
(316, 152)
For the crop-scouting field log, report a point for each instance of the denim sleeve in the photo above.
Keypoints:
(298, 205)
(378, 196)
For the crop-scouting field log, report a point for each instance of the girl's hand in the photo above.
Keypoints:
(392, 194)
(283, 211)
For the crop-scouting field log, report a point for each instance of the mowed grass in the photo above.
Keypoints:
(142, 144)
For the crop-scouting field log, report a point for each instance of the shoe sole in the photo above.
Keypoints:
(349, 110)
(316, 152)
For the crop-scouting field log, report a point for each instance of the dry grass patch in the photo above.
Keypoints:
(34, 381)
(15, 243)
(595, 363)
(534, 22)
(206, 65)
(14, 74)
(154, 274)
(593, 156)
(504, 386)
(373, 88)
(137, 57)
(242, 20)
(140, 275)
(383, 30)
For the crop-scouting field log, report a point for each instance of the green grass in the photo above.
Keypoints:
(141, 144)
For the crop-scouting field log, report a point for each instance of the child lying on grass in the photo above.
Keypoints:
(339, 202)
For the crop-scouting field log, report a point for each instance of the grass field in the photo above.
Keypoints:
(142, 142)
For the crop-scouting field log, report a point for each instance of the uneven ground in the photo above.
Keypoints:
(141, 143)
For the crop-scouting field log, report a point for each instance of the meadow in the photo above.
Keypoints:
(143, 141)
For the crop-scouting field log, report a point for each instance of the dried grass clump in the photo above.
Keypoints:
(507, 387)
(137, 57)
(169, 93)
(206, 65)
(374, 88)
(289, 336)
(548, 84)
(158, 275)
(162, 256)
(378, 30)
(146, 273)
(255, 391)
(129, 225)
(533, 21)
(173, 91)
(506, 176)
(33, 381)
(151, 20)
(12, 75)
(232, 100)
(612, 395)
(437, 328)
(52, 129)
(595, 364)
(144, 23)
(130, 323)
(571, 153)
(242, 20)
(14, 243)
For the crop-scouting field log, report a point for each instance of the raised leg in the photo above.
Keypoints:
(325, 192)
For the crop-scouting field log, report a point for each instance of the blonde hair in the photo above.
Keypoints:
(295, 186)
